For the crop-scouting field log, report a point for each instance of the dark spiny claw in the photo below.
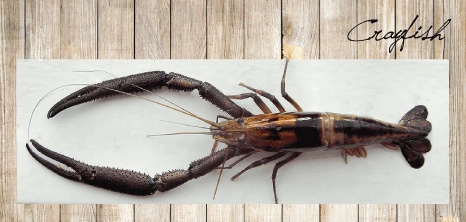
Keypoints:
(148, 81)
(130, 182)
(123, 181)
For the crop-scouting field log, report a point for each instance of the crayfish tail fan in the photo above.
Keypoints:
(413, 149)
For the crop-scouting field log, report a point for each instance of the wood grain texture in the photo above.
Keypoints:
(78, 40)
(416, 212)
(300, 29)
(42, 29)
(41, 212)
(225, 212)
(377, 212)
(406, 11)
(12, 48)
(339, 212)
(225, 29)
(188, 212)
(78, 212)
(262, 29)
(188, 29)
(152, 212)
(442, 50)
(262, 212)
(116, 29)
(300, 212)
(441, 15)
(78, 29)
(336, 19)
(456, 46)
(152, 25)
(384, 11)
(115, 212)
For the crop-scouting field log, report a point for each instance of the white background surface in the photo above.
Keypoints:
(112, 132)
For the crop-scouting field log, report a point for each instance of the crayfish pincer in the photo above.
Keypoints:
(285, 135)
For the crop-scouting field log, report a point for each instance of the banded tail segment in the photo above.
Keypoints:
(413, 149)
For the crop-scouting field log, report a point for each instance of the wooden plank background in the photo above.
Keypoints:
(226, 29)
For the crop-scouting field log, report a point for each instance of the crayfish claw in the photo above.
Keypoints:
(54, 168)
(123, 181)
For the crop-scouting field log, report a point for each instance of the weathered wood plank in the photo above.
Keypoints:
(300, 212)
(262, 29)
(377, 212)
(336, 19)
(188, 212)
(339, 212)
(300, 29)
(225, 29)
(78, 212)
(78, 40)
(406, 12)
(263, 212)
(115, 41)
(152, 212)
(78, 29)
(455, 46)
(41, 212)
(188, 29)
(42, 29)
(115, 212)
(152, 28)
(442, 50)
(116, 29)
(441, 15)
(384, 11)
(416, 212)
(12, 48)
(225, 212)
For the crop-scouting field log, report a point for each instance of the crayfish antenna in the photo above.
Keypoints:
(221, 171)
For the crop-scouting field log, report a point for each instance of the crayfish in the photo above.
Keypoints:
(286, 135)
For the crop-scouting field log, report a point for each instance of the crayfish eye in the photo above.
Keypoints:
(240, 120)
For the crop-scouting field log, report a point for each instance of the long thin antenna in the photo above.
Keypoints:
(221, 171)
(43, 97)
(184, 124)
(161, 104)
(181, 133)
